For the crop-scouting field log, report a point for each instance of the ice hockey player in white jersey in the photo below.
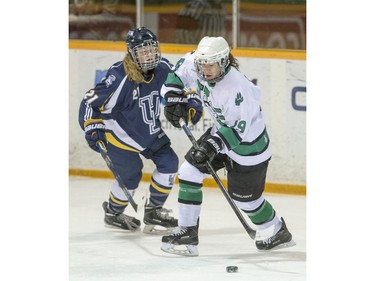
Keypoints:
(122, 112)
(238, 141)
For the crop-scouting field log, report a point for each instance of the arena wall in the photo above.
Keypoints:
(280, 74)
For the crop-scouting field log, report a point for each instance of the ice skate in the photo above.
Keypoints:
(183, 241)
(158, 221)
(120, 220)
(282, 239)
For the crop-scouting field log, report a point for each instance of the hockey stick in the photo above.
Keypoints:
(108, 161)
(248, 229)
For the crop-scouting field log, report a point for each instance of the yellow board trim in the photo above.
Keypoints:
(182, 49)
(280, 188)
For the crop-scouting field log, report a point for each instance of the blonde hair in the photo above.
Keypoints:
(131, 69)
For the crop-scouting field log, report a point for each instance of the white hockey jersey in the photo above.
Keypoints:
(234, 105)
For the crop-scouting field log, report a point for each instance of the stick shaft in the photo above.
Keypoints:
(109, 163)
(248, 229)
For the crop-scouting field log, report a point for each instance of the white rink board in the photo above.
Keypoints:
(283, 83)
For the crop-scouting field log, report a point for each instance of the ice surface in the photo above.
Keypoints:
(100, 253)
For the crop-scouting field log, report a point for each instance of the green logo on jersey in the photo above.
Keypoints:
(239, 99)
(203, 89)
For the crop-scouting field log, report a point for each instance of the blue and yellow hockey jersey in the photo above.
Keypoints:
(130, 111)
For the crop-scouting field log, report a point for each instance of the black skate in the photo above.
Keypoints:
(120, 220)
(183, 241)
(157, 220)
(282, 239)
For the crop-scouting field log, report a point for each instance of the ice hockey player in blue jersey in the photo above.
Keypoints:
(123, 112)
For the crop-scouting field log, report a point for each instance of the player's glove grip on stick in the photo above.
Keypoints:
(194, 107)
(95, 133)
(175, 108)
(207, 151)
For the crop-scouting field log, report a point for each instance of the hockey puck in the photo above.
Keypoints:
(232, 269)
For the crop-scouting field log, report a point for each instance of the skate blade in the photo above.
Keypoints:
(289, 244)
(182, 250)
(156, 230)
(120, 228)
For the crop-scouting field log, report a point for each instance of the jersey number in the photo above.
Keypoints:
(90, 96)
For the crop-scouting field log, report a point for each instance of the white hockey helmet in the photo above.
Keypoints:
(212, 50)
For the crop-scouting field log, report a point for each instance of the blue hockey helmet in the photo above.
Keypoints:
(143, 47)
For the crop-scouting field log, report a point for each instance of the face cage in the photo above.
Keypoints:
(200, 72)
(144, 49)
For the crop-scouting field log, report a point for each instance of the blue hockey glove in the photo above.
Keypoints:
(95, 133)
(206, 152)
(175, 108)
(194, 107)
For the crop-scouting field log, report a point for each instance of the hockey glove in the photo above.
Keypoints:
(175, 108)
(194, 107)
(206, 152)
(95, 133)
